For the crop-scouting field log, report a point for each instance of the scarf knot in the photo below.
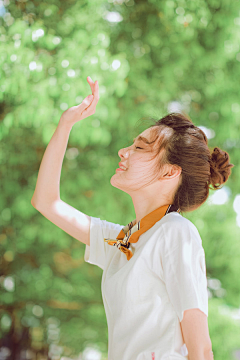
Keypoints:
(131, 232)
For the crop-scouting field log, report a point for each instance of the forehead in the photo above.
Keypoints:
(146, 134)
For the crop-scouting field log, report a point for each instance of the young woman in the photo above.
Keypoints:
(154, 283)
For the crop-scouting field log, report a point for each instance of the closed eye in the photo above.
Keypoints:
(137, 147)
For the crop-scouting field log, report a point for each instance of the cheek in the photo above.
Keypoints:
(140, 168)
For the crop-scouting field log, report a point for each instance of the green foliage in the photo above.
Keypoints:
(160, 52)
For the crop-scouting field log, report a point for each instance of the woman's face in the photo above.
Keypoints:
(138, 163)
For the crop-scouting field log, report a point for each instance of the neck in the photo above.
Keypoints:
(144, 206)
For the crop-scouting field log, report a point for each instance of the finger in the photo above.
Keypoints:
(94, 86)
(87, 101)
(96, 93)
(91, 83)
(95, 98)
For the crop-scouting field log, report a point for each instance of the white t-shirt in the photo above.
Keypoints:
(145, 297)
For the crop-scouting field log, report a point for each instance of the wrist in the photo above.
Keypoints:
(64, 124)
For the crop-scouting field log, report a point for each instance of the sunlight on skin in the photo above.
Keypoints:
(67, 211)
(140, 181)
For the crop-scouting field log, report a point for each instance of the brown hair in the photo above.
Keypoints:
(186, 146)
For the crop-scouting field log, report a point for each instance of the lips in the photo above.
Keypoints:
(122, 166)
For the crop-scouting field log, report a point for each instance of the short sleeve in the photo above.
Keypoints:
(97, 252)
(184, 268)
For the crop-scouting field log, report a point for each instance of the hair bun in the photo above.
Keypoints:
(220, 167)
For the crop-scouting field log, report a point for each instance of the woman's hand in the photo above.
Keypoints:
(85, 109)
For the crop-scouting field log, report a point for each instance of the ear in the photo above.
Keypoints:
(171, 172)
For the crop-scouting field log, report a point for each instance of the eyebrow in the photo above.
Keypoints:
(141, 138)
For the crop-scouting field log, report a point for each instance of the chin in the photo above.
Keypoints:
(114, 183)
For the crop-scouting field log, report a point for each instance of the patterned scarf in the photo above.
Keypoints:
(131, 232)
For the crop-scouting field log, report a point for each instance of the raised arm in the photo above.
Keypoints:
(46, 197)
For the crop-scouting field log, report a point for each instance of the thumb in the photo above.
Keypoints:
(87, 100)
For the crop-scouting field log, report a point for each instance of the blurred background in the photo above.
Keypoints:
(150, 57)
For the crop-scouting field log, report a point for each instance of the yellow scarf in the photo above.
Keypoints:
(131, 232)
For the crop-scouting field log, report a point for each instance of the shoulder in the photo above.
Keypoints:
(176, 241)
(178, 220)
(175, 226)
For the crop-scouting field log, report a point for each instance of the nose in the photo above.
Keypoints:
(123, 153)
